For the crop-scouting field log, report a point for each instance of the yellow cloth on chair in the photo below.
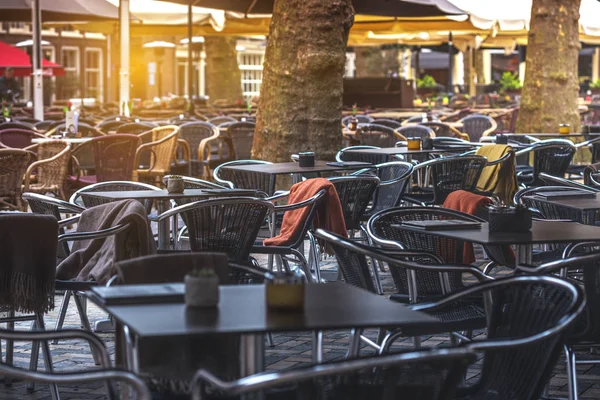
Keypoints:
(499, 179)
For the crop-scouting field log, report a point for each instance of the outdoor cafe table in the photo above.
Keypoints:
(404, 151)
(243, 310)
(586, 206)
(541, 232)
(163, 199)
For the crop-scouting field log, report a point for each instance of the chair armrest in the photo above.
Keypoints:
(186, 149)
(103, 233)
(400, 136)
(145, 146)
(301, 204)
(278, 196)
(505, 157)
(68, 221)
(460, 134)
(36, 164)
(204, 148)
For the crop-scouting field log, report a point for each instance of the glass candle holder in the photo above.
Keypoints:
(564, 129)
(285, 292)
(413, 143)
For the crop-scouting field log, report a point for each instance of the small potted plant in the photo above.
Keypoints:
(202, 288)
(510, 83)
(595, 87)
(175, 184)
(427, 86)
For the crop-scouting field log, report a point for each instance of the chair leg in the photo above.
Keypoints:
(81, 309)
(63, 312)
(354, 344)
(47, 357)
(270, 340)
(10, 347)
(317, 347)
(571, 372)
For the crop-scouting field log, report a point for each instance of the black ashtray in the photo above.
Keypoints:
(501, 139)
(306, 159)
(509, 219)
(427, 143)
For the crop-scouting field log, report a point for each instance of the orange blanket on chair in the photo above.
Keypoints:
(467, 203)
(329, 214)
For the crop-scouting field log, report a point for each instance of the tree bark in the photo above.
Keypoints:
(223, 77)
(369, 62)
(550, 90)
(300, 101)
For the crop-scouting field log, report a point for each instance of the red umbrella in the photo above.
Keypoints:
(20, 61)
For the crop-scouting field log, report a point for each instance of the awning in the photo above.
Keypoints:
(20, 61)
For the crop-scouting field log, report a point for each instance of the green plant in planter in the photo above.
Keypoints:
(174, 177)
(202, 272)
(427, 82)
(595, 84)
(509, 82)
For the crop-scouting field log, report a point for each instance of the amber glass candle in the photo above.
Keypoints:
(413, 143)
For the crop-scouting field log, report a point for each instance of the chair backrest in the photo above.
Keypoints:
(18, 138)
(111, 125)
(43, 126)
(362, 119)
(419, 131)
(221, 119)
(54, 172)
(549, 210)
(376, 135)
(552, 157)
(241, 135)
(345, 155)
(84, 129)
(240, 179)
(394, 177)
(26, 120)
(28, 268)
(114, 156)
(13, 164)
(113, 186)
(439, 128)
(225, 225)
(16, 125)
(477, 126)
(135, 128)
(387, 122)
(453, 173)
(162, 152)
(194, 133)
(424, 374)
(355, 193)
(528, 320)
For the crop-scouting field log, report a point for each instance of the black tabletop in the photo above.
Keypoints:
(390, 151)
(581, 204)
(164, 195)
(541, 232)
(291, 168)
(242, 309)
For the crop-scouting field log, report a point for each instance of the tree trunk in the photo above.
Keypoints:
(550, 90)
(300, 103)
(369, 62)
(223, 77)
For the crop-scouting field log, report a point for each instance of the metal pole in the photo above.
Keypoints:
(124, 58)
(36, 58)
(450, 65)
(190, 60)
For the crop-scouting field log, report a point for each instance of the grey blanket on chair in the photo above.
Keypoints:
(93, 259)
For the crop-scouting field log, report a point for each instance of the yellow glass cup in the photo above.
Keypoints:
(413, 143)
(564, 129)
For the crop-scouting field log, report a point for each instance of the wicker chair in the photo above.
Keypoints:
(390, 123)
(51, 169)
(224, 225)
(113, 159)
(162, 147)
(394, 178)
(239, 140)
(136, 128)
(344, 155)
(552, 157)
(221, 119)
(529, 318)
(356, 193)
(377, 135)
(444, 130)
(424, 374)
(13, 164)
(478, 126)
(446, 175)
(555, 211)
(419, 131)
(361, 118)
(203, 140)
(17, 138)
(234, 178)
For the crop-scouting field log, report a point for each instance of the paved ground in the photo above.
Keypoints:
(290, 350)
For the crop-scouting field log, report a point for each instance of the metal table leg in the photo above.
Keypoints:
(252, 349)
(164, 227)
(524, 254)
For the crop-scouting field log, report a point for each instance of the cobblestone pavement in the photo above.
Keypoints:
(290, 350)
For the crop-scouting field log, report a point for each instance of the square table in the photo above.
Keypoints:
(541, 232)
(163, 199)
(243, 310)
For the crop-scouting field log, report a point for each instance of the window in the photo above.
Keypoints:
(93, 74)
(251, 68)
(70, 83)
